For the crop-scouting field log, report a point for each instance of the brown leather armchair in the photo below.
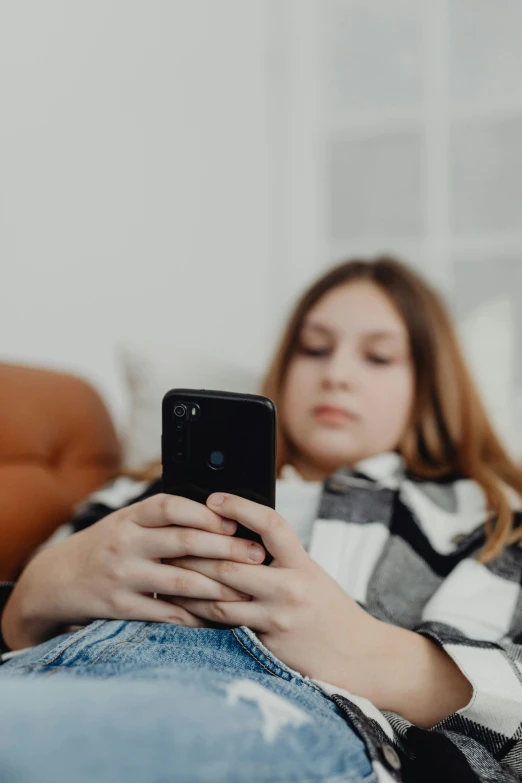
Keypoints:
(57, 444)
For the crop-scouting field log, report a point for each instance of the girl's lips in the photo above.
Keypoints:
(329, 414)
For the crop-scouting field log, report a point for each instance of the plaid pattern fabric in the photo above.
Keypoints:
(406, 550)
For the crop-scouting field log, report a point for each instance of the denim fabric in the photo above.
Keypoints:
(131, 701)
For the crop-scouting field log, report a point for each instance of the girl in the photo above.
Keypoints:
(393, 602)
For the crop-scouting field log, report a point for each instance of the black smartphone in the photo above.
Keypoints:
(217, 441)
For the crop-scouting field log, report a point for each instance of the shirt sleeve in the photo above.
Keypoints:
(121, 492)
(476, 617)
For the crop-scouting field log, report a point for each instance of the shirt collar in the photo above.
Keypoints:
(381, 467)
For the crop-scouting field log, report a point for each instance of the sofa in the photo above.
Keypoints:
(57, 444)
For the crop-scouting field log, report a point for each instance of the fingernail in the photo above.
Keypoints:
(216, 500)
(256, 552)
(229, 526)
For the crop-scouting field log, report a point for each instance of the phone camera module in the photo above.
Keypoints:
(180, 411)
(216, 460)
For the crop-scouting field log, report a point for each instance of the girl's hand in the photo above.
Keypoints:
(299, 612)
(305, 618)
(112, 569)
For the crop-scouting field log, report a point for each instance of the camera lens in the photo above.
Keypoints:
(180, 411)
(216, 459)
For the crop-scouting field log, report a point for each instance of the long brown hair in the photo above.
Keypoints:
(449, 430)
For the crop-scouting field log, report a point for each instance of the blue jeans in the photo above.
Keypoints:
(132, 702)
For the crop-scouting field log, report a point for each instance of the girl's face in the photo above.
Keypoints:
(349, 387)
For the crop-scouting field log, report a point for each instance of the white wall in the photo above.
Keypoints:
(135, 181)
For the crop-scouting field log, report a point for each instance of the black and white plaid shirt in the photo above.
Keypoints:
(406, 550)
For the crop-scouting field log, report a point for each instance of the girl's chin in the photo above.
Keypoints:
(334, 441)
(333, 458)
(329, 448)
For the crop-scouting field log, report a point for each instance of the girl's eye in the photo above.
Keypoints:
(377, 359)
(309, 351)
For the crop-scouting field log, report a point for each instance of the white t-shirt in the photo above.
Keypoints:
(297, 501)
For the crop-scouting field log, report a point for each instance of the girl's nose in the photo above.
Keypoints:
(339, 371)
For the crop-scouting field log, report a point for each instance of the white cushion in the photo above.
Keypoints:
(488, 338)
(152, 370)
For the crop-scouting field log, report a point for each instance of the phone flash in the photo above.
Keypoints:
(194, 412)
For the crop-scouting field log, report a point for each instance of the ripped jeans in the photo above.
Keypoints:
(147, 702)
